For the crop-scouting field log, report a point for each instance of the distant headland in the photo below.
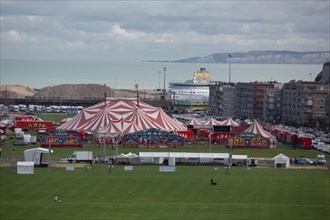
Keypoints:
(260, 57)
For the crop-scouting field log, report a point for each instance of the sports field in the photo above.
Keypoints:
(145, 193)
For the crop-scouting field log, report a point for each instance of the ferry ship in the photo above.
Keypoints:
(193, 93)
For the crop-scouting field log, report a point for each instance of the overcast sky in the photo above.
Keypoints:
(159, 30)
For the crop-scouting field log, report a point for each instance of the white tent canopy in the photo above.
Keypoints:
(121, 156)
(187, 155)
(132, 155)
(281, 161)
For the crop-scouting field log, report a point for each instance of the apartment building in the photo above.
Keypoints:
(228, 101)
(273, 104)
(250, 99)
(214, 98)
(304, 103)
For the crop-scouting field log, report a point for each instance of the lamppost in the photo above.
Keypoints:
(159, 80)
(230, 157)
(210, 141)
(13, 151)
(164, 77)
(229, 67)
(164, 91)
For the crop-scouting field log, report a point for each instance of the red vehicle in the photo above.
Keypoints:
(34, 125)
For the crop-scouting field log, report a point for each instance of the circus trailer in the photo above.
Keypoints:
(290, 137)
(278, 133)
(34, 125)
(304, 141)
(283, 136)
(248, 140)
(61, 139)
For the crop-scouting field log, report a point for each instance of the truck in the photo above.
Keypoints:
(81, 156)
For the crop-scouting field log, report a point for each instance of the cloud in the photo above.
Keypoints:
(14, 36)
(124, 34)
(161, 29)
(34, 18)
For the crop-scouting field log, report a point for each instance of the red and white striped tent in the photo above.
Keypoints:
(256, 128)
(194, 122)
(229, 122)
(121, 115)
(212, 122)
(120, 126)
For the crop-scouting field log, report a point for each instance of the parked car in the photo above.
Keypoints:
(304, 161)
(320, 160)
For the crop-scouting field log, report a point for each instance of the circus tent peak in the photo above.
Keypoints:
(229, 122)
(194, 122)
(256, 128)
(212, 122)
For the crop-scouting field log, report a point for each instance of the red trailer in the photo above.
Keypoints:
(304, 141)
(34, 125)
(290, 137)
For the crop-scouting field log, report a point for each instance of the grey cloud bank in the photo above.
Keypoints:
(159, 30)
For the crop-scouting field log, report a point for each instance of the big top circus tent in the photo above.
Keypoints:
(121, 115)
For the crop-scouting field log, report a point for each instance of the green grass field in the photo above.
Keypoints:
(145, 193)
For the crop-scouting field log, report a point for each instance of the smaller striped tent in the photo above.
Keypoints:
(256, 128)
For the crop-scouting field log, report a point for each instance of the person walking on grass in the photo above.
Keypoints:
(56, 199)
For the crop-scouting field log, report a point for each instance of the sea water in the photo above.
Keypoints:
(147, 75)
